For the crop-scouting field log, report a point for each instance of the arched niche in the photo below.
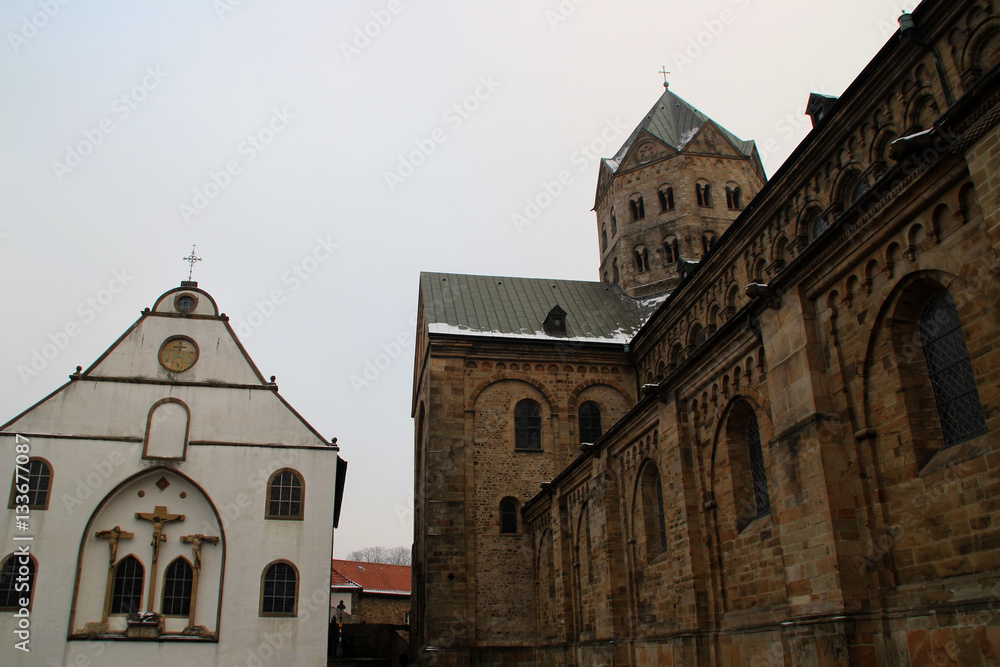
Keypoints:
(126, 518)
(167, 431)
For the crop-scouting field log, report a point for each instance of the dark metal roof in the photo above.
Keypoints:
(675, 122)
(506, 307)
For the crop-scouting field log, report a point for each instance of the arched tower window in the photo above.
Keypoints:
(508, 516)
(734, 197)
(604, 239)
(126, 596)
(590, 422)
(177, 581)
(703, 192)
(10, 596)
(614, 269)
(666, 197)
(707, 241)
(950, 371)
(527, 425)
(637, 207)
(39, 480)
(614, 223)
(641, 259)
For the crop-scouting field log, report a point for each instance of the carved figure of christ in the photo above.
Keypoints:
(159, 516)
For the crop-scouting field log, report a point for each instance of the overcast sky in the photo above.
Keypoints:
(322, 154)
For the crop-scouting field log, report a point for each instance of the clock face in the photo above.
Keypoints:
(178, 354)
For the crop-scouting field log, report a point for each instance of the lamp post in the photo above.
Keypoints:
(340, 630)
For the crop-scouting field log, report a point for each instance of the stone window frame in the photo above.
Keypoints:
(525, 431)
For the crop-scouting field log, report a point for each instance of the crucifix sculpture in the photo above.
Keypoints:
(196, 542)
(159, 516)
(112, 536)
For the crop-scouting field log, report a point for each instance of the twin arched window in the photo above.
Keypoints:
(641, 259)
(637, 207)
(39, 480)
(708, 241)
(666, 197)
(671, 250)
(527, 425)
(285, 495)
(734, 197)
(703, 192)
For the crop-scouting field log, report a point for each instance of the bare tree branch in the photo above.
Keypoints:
(387, 555)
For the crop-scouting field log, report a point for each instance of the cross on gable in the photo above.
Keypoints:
(191, 259)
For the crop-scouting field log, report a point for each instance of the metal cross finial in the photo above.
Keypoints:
(191, 259)
(664, 72)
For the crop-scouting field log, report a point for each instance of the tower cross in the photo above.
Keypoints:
(191, 259)
(664, 72)
(159, 516)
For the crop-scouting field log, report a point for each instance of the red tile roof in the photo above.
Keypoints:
(371, 577)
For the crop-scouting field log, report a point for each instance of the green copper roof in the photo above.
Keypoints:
(675, 122)
(498, 306)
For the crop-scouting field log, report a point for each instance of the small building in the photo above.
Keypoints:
(372, 592)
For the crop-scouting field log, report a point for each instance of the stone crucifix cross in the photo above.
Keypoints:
(159, 516)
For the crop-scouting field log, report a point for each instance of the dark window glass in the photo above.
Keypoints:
(285, 498)
(590, 422)
(527, 425)
(950, 371)
(508, 515)
(126, 597)
(761, 499)
(661, 514)
(177, 588)
(9, 573)
(39, 479)
(278, 596)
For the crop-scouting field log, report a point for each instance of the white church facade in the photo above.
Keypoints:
(167, 506)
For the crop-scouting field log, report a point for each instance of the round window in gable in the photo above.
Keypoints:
(185, 303)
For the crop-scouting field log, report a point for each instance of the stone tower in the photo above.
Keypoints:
(668, 193)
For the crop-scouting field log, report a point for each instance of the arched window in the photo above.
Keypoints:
(527, 425)
(508, 516)
(703, 192)
(666, 197)
(614, 268)
(284, 495)
(604, 239)
(15, 566)
(671, 250)
(637, 207)
(654, 518)
(126, 596)
(761, 498)
(614, 223)
(950, 371)
(590, 422)
(734, 197)
(177, 588)
(39, 481)
(279, 590)
(707, 241)
(641, 259)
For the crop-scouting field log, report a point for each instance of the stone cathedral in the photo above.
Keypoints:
(767, 435)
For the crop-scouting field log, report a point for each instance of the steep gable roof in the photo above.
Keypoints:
(378, 578)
